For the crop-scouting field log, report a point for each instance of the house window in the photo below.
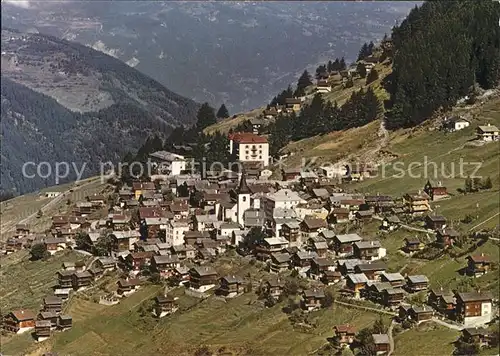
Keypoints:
(246, 157)
(244, 199)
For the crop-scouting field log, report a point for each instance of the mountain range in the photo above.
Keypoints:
(237, 53)
(65, 102)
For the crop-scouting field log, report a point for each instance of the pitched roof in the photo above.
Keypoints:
(23, 314)
(488, 128)
(474, 296)
(367, 244)
(203, 270)
(281, 257)
(479, 258)
(247, 137)
(380, 338)
(373, 266)
(345, 328)
(314, 293)
(357, 277)
(314, 223)
(348, 238)
(419, 278)
(233, 279)
(436, 218)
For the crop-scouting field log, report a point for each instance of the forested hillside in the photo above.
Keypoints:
(441, 50)
(35, 128)
(62, 101)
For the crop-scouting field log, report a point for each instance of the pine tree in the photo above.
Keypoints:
(222, 113)
(468, 185)
(205, 117)
(329, 66)
(342, 64)
(303, 82)
(361, 69)
(363, 52)
(487, 183)
(372, 76)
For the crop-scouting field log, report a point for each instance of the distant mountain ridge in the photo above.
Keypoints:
(62, 101)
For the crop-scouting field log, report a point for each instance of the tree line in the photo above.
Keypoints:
(321, 117)
(441, 50)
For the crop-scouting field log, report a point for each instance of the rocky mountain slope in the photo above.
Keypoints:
(62, 101)
(240, 53)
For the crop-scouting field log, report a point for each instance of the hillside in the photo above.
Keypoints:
(242, 326)
(339, 94)
(60, 98)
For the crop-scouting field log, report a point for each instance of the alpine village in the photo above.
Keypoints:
(232, 232)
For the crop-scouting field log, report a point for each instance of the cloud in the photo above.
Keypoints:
(19, 3)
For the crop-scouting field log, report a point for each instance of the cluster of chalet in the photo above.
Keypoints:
(484, 133)
(49, 319)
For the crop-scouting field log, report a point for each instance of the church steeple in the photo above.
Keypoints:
(243, 187)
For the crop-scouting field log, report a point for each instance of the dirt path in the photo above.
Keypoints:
(445, 324)
(365, 308)
(481, 223)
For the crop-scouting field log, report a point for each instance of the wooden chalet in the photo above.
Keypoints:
(474, 307)
(136, 260)
(344, 334)
(417, 283)
(19, 321)
(203, 277)
(395, 279)
(52, 304)
(329, 277)
(274, 287)
(372, 271)
(381, 342)
(48, 316)
(312, 298)
(320, 265)
(291, 232)
(416, 203)
(390, 223)
(415, 313)
(339, 215)
(476, 335)
(165, 265)
(435, 222)
(366, 250)
(446, 237)
(412, 244)
(280, 261)
(81, 279)
(65, 278)
(126, 286)
(303, 259)
(392, 297)
(64, 322)
(356, 282)
(312, 226)
(343, 245)
(164, 305)
(478, 265)
(42, 329)
(230, 286)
